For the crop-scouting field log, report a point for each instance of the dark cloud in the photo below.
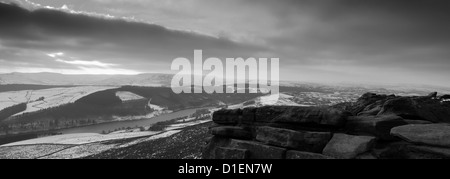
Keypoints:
(107, 40)
(405, 39)
(365, 28)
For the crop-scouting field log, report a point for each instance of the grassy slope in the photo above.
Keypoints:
(184, 145)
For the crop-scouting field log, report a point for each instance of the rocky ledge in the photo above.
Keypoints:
(374, 127)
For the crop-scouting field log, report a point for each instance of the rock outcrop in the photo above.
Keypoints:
(375, 126)
(429, 134)
(344, 146)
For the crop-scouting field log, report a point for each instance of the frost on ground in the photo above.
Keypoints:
(186, 144)
(163, 135)
(128, 96)
(30, 151)
(47, 98)
(85, 138)
(188, 124)
(154, 137)
(79, 151)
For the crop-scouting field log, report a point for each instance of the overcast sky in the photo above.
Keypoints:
(374, 41)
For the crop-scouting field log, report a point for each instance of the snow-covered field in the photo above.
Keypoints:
(276, 100)
(64, 151)
(272, 100)
(47, 98)
(128, 96)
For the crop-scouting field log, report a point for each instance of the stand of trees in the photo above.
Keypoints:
(9, 111)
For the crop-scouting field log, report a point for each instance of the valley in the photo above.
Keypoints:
(115, 118)
(98, 109)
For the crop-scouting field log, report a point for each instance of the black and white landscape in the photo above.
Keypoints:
(92, 79)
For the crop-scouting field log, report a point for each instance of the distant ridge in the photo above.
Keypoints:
(146, 79)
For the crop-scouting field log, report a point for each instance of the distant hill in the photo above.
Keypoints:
(147, 79)
(21, 87)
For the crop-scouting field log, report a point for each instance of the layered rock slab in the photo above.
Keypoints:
(343, 146)
(429, 134)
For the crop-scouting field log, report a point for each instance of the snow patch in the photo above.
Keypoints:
(128, 96)
(155, 107)
(184, 125)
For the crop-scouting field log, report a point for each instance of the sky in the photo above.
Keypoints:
(370, 41)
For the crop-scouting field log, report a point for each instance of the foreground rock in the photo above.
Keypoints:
(309, 115)
(343, 146)
(379, 126)
(300, 140)
(428, 108)
(304, 116)
(232, 131)
(292, 154)
(405, 150)
(417, 108)
(375, 126)
(258, 150)
(429, 134)
(230, 153)
(369, 104)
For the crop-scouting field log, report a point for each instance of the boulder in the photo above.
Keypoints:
(368, 102)
(227, 117)
(248, 115)
(445, 97)
(417, 121)
(391, 150)
(379, 126)
(430, 152)
(411, 151)
(293, 154)
(231, 132)
(432, 95)
(258, 150)
(366, 156)
(403, 106)
(371, 110)
(312, 116)
(209, 150)
(343, 146)
(299, 140)
(230, 153)
(417, 108)
(429, 134)
(292, 115)
(266, 114)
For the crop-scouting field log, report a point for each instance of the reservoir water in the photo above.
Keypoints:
(111, 126)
